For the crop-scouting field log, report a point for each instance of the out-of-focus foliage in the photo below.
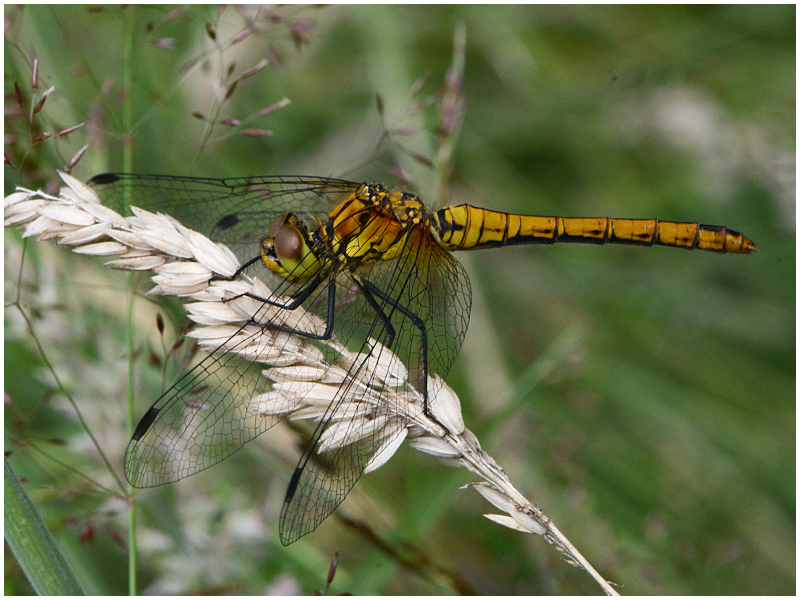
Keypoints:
(661, 439)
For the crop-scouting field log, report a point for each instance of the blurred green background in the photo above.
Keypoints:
(643, 398)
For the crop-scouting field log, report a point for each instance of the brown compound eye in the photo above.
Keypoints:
(288, 243)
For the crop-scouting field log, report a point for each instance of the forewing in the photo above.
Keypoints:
(236, 211)
(426, 286)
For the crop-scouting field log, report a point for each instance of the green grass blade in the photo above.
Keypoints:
(26, 534)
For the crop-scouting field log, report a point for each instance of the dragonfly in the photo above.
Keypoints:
(372, 265)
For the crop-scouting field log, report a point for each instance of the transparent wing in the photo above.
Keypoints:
(235, 211)
(427, 287)
(200, 420)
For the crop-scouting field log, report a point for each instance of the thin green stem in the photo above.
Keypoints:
(127, 166)
(132, 539)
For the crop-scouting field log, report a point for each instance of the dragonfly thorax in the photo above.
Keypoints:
(374, 225)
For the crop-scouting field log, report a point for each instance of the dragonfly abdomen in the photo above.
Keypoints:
(466, 227)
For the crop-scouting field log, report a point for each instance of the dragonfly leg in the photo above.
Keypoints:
(370, 291)
(238, 272)
(388, 327)
(294, 302)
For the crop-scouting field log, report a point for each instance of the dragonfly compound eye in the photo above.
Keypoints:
(286, 251)
(288, 243)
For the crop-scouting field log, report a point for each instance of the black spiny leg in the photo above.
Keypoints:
(370, 291)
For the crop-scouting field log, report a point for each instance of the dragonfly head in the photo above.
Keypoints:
(287, 251)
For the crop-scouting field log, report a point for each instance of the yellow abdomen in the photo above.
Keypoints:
(466, 227)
